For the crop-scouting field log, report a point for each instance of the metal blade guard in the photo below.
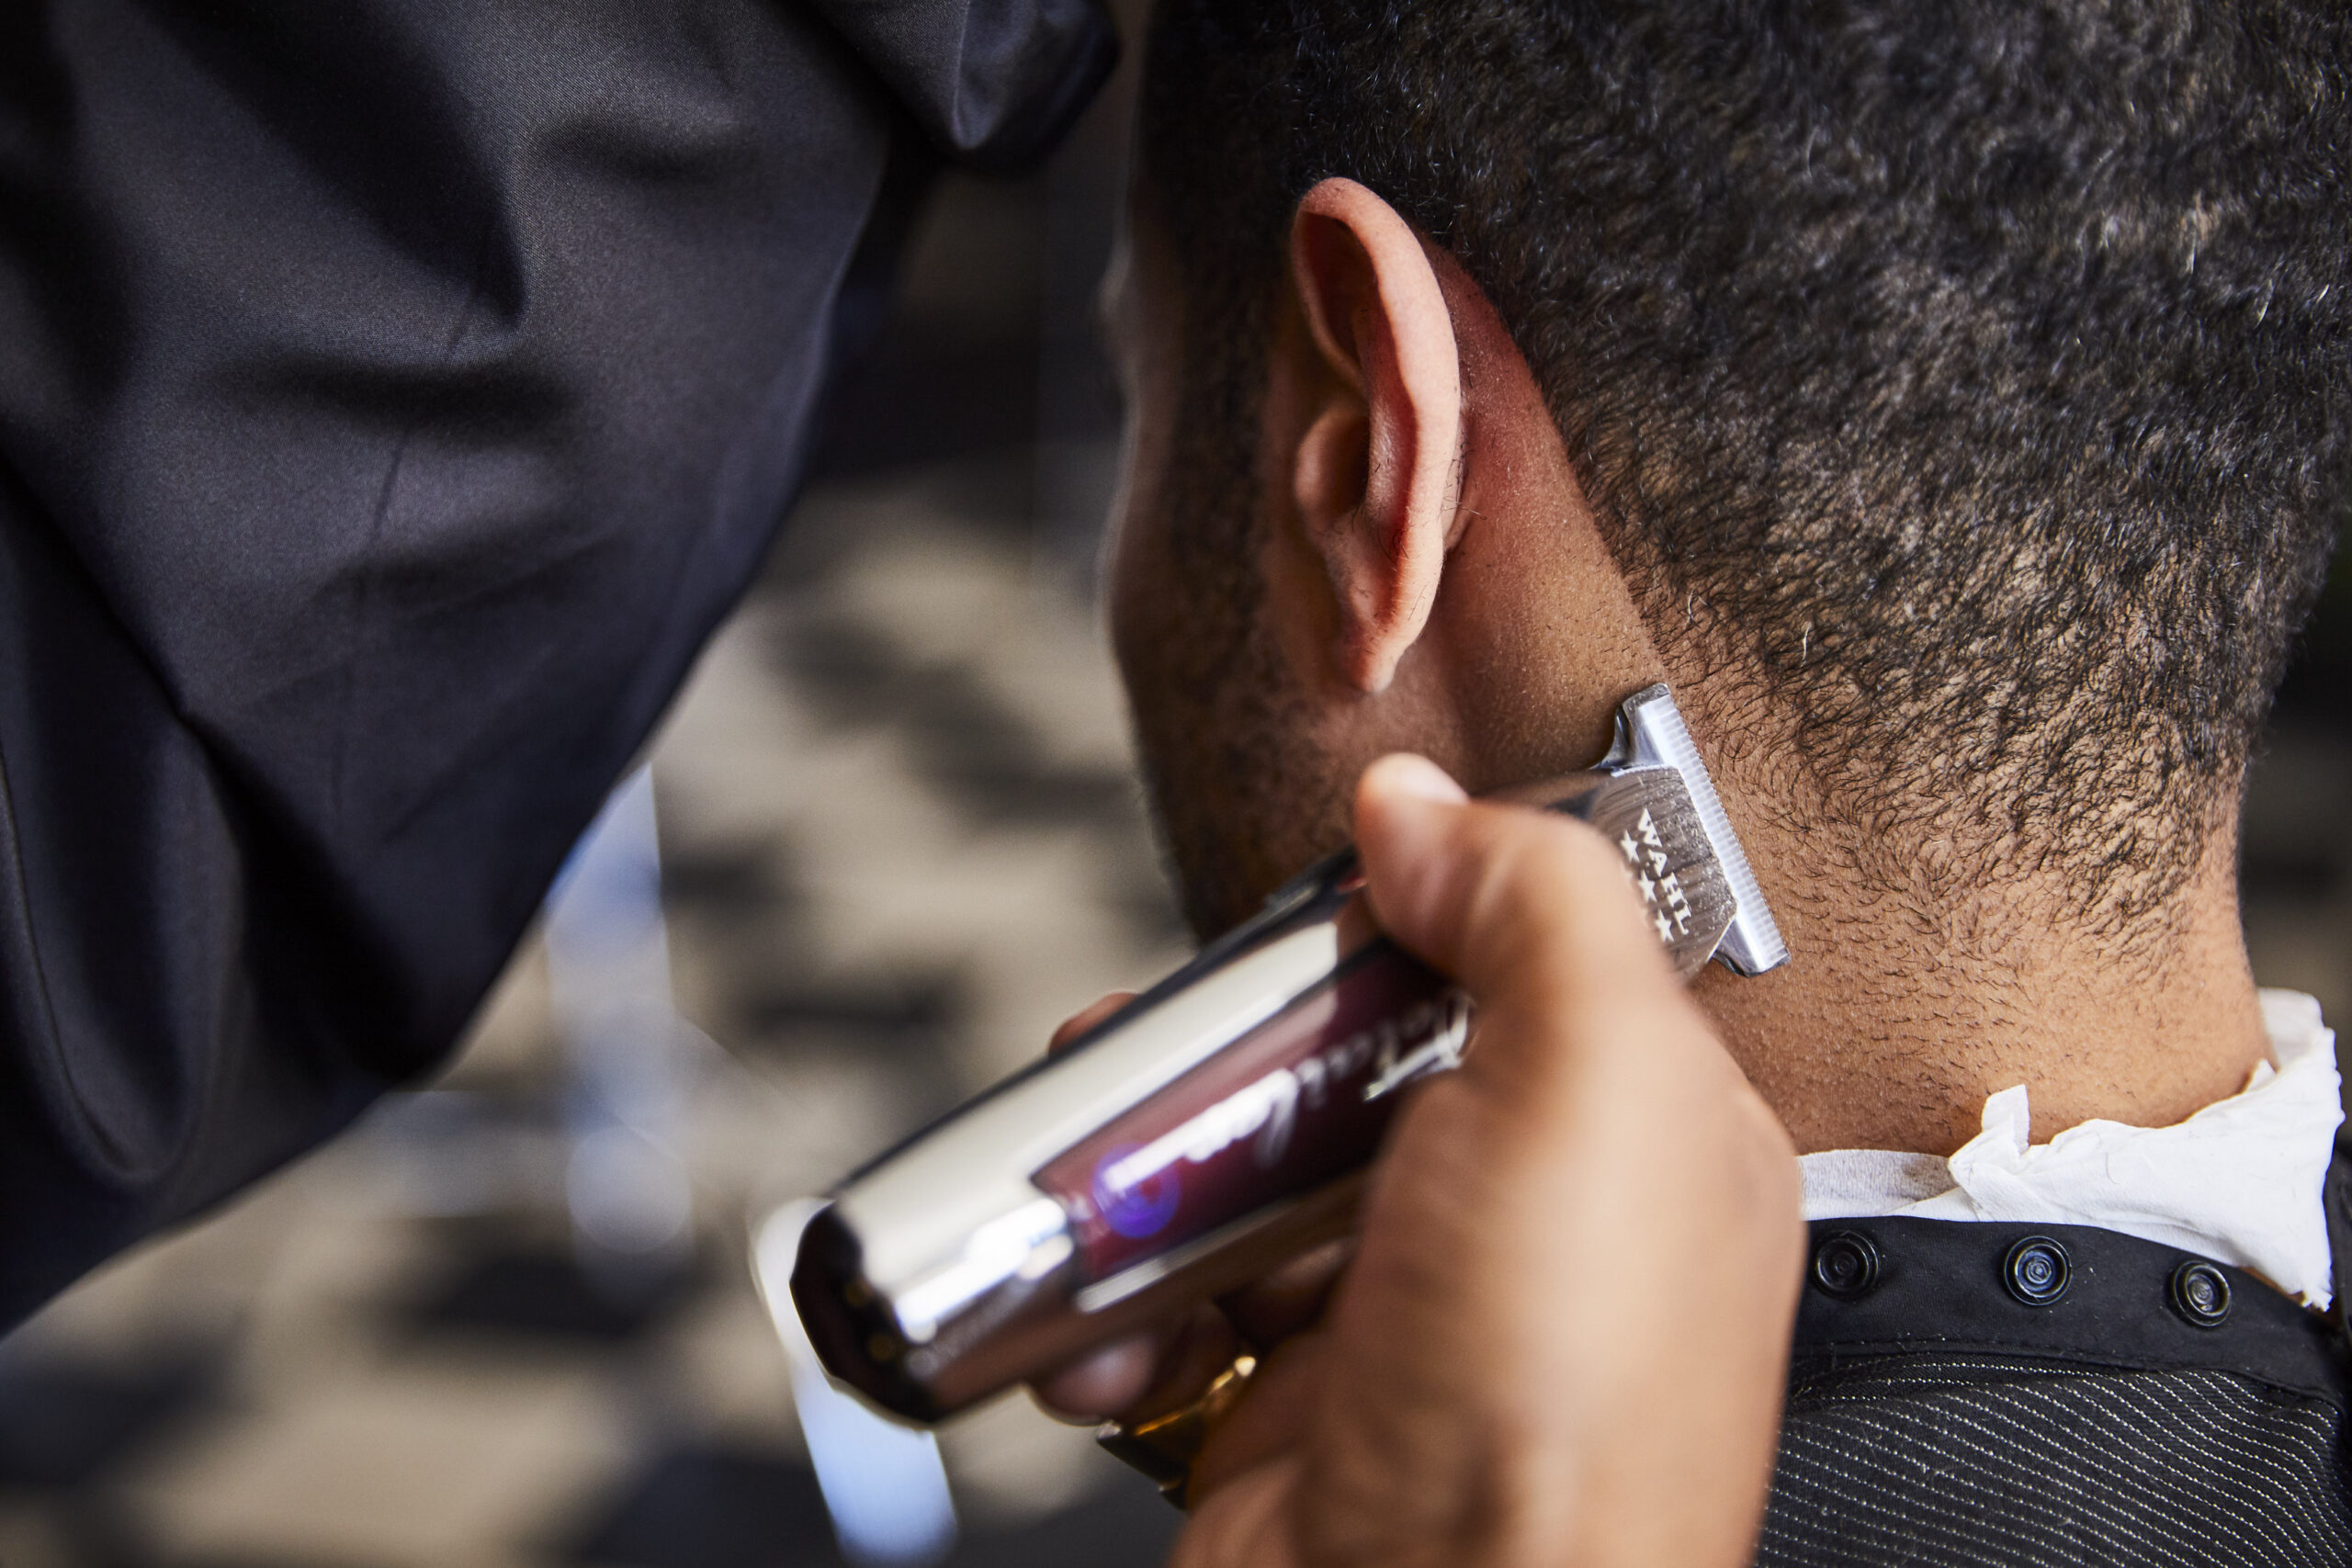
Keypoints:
(1217, 1125)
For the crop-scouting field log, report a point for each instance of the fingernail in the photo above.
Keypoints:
(1404, 773)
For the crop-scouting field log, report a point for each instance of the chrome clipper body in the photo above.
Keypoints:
(1220, 1123)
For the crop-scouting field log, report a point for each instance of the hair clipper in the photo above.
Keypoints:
(1217, 1125)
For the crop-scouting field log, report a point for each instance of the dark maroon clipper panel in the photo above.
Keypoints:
(1299, 1100)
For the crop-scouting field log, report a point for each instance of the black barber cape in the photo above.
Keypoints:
(1966, 1396)
(394, 394)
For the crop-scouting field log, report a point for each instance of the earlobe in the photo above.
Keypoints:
(1375, 474)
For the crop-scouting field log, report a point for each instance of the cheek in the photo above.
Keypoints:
(1125, 570)
(1137, 571)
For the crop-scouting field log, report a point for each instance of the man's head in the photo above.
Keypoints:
(1950, 400)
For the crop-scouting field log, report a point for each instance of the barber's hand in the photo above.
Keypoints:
(1562, 1333)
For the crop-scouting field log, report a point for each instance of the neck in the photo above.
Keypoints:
(1892, 1023)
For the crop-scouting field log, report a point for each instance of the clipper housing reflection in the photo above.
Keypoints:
(1219, 1123)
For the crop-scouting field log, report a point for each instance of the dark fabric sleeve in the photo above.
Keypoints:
(2336, 1201)
(392, 397)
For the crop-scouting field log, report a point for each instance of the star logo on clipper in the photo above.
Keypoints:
(1643, 848)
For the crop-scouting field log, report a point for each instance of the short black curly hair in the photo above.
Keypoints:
(1975, 377)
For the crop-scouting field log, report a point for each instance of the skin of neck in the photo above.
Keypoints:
(1895, 1026)
(1437, 582)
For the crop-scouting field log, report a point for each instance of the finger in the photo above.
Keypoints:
(1289, 1301)
(1529, 910)
(1246, 1522)
(1107, 1378)
(1473, 888)
(1142, 1375)
(1117, 1377)
(1272, 1416)
(1086, 1018)
(1204, 1346)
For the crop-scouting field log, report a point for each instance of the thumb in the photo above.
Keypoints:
(1521, 905)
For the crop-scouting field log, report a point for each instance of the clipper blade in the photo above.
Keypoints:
(1650, 732)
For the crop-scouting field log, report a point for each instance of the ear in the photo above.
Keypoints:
(1376, 472)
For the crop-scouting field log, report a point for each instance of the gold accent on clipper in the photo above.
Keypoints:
(1164, 1447)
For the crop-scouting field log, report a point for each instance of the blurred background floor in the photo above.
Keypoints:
(900, 839)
